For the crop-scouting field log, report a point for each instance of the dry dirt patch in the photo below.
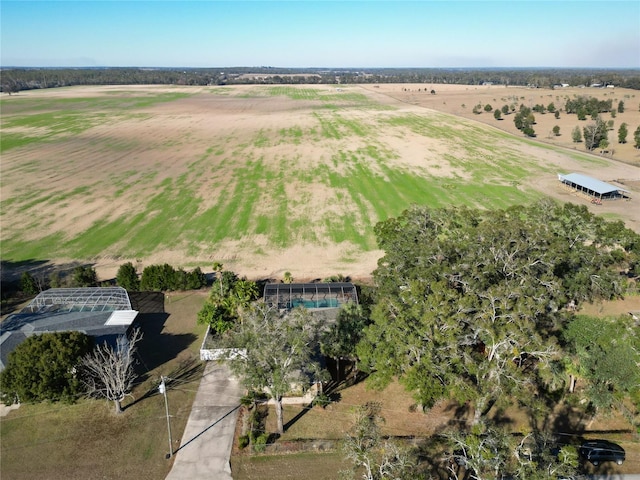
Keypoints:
(206, 135)
(459, 100)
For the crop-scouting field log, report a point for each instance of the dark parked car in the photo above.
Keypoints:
(598, 451)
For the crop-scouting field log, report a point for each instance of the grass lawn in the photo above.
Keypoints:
(86, 439)
(316, 466)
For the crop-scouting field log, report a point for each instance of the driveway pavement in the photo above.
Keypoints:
(206, 444)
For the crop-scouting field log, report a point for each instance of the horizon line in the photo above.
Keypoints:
(323, 67)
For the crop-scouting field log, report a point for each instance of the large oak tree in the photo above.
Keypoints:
(470, 303)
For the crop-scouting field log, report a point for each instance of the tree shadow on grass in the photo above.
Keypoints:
(186, 372)
(157, 347)
(332, 394)
(343, 378)
(302, 413)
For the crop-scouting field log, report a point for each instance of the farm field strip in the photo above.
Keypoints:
(173, 172)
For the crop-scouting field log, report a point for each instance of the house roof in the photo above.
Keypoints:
(589, 183)
(103, 313)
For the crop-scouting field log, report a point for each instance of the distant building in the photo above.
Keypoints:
(592, 187)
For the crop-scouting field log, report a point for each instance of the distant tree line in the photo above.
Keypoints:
(16, 79)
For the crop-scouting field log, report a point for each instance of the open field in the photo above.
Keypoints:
(266, 179)
(87, 440)
(459, 100)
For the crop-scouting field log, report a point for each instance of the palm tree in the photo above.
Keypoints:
(288, 278)
(217, 267)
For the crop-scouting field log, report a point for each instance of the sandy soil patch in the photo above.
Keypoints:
(206, 134)
(459, 100)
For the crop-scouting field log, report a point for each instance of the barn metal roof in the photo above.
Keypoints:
(589, 183)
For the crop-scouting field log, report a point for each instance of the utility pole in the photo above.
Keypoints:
(163, 390)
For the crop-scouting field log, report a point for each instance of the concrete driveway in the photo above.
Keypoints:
(205, 448)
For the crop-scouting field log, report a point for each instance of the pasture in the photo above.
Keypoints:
(266, 179)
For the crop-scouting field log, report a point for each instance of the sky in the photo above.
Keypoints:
(321, 33)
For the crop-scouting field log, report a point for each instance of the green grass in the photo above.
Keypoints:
(327, 99)
(316, 466)
(51, 119)
(291, 135)
(144, 232)
(314, 94)
(334, 126)
(234, 187)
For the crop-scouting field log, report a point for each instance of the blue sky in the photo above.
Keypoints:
(321, 33)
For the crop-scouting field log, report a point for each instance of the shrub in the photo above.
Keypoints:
(243, 441)
(196, 279)
(217, 316)
(43, 367)
(127, 277)
(84, 276)
(28, 284)
(165, 277)
(322, 400)
(260, 443)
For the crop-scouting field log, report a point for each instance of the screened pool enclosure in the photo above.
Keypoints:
(310, 295)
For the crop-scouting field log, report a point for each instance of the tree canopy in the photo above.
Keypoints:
(127, 277)
(375, 457)
(470, 303)
(607, 353)
(165, 277)
(594, 133)
(43, 367)
(228, 298)
(277, 351)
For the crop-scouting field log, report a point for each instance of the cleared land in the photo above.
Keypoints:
(459, 100)
(266, 179)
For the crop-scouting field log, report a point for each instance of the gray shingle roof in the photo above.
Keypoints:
(86, 310)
